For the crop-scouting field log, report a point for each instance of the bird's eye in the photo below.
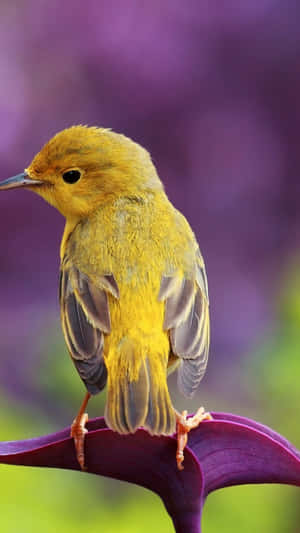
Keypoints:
(71, 176)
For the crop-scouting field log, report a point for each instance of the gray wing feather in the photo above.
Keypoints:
(187, 319)
(185, 337)
(94, 301)
(85, 320)
(178, 304)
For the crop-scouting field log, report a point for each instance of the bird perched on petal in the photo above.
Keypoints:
(133, 288)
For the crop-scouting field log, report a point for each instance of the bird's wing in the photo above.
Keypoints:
(85, 320)
(187, 320)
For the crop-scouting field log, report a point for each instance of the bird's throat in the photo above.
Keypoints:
(71, 223)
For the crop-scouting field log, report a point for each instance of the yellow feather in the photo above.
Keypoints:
(120, 222)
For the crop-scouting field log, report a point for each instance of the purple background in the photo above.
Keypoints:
(212, 90)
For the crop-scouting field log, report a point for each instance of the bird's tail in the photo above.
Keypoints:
(138, 395)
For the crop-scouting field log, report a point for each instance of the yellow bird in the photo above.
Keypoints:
(133, 287)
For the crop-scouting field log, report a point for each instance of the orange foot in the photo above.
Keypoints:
(184, 425)
(78, 431)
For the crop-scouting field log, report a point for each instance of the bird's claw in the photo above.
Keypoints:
(78, 432)
(184, 425)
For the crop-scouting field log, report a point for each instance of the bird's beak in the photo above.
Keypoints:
(21, 180)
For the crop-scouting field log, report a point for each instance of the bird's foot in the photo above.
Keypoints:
(184, 425)
(78, 432)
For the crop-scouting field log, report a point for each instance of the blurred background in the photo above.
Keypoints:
(211, 89)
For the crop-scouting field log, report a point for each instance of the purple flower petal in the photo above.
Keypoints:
(228, 450)
(240, 451)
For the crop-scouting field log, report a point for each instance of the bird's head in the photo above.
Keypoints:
(82, 167)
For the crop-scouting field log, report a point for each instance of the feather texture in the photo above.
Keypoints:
(127, 401)
(137, 307)
(85, 320)
(187, 319)
(133, 289)
(143, 401)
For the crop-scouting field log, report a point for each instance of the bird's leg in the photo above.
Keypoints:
(78, 431)
(184, 425)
